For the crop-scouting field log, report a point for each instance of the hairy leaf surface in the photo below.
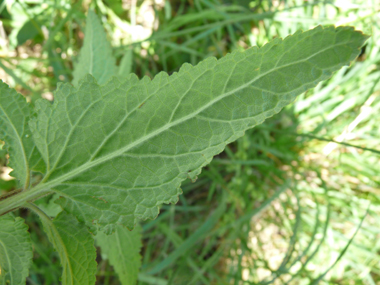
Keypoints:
(117, 151)
(75, 247)
(14, 130)
(15, 250)
(95, 56)
(123, 251)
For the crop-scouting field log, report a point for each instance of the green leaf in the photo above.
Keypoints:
(75, 247)
(48, 206)
(28, 31)
(125, 67)
(118, 151)
(123, 251)
(96, 53)
(15, 250)
(14, 130)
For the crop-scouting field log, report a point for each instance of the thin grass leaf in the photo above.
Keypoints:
(317, 280)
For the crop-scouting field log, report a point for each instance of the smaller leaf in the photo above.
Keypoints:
(48, 205)
(14, 130)
(15, 250)
(123, 250)
(75, 247)
(95, 55)
(125, 67)
(28, 31)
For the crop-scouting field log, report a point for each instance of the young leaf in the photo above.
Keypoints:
(14, 130)
(123, 251)
(75, 247)
(15, 250)
(96, 53)
(117, 151)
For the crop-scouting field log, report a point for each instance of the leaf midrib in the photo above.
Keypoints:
(66, 254)
(90, 164)
(121, 256)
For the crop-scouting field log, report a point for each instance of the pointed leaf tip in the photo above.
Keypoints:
(118, 151)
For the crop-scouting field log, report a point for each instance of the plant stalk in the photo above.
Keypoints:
(13, 202)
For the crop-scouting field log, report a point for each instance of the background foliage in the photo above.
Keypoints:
(295, 201)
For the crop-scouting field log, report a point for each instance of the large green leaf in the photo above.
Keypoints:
(14, 130)
(75, 247)
(117, 151)
(123, 251)
(15, 251)
(96, 53)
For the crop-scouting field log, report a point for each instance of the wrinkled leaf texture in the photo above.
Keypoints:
(14, 130)
(122, 248)
(75, 247)
(115, 152)
(15, 250)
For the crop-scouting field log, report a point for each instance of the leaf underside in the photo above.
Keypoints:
(117, 151)
(15, 250)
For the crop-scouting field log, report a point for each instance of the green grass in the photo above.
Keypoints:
(295, 201)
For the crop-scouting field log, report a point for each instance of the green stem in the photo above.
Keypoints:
(38, 211)
(10, 193)
(14, 202)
